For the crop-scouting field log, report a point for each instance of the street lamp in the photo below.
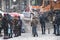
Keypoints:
(14, 0)
(55, 0)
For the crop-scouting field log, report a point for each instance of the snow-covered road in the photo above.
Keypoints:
(28, 36)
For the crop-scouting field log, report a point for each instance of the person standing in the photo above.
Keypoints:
(57, 19)
(54, 24)
(42, 22)
(10, 25)
(5, 26)
(19, 25)
(34, 26)
(16, 26)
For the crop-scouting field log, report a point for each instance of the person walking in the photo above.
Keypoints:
(57, 19)
(16, 26)
(54, 24)
(10, 25)
(19, 25)
(34, 26)
(5, 26)
(42, 22)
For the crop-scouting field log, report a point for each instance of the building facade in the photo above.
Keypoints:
(21, 5)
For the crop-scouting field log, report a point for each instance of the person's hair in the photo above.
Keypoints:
(18, 16)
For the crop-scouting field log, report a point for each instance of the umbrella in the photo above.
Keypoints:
(14, 14)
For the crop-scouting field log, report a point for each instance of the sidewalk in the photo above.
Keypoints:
(28, 36)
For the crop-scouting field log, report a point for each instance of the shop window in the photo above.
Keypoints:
(36, 2)
(46, 3)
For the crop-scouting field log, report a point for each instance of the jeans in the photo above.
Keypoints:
(10, 34)
(43, 28)
(54, 28)
(34, 30)
(57, 29)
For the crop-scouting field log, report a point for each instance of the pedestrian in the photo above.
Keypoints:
(34, 26)
(42, 22)
(5, 26)
(19, 25)
(48, 24)
(54, 24)
(10, 25)
(16, 27)
(0, 24)
(57, 19)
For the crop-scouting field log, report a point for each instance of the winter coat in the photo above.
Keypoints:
(42, 19)
(57, 20)
(34, 22)
(4, 23)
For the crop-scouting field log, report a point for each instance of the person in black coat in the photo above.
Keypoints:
(19, 25)
(57, 20)
(42, 22)
(10, 25)
(5, 25)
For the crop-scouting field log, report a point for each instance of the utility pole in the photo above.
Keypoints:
(10, 3)
(43, 4)
(7, 5)
(0, 4)
(19, 6)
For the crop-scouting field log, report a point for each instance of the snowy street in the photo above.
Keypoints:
(28, 36)
(29, 20)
